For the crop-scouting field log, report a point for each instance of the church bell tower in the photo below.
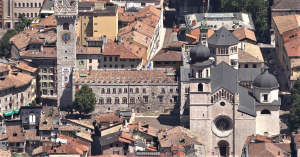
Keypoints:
(65, 12)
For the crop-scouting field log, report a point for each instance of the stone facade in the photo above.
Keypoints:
(66, 14)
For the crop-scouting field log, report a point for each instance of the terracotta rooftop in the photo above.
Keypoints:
(173, 136)
(135, 36)
(149, 10)
(138, 26)
(18, 80)
(22, 39)
(48, 52)
(287, 22)
(37, 150)
(3, 69)
(3, 135)
(126, 16)
(85, 123)
(113, 49)
(251, 54)
(152, 75)
(15, 134)
(244, 33)
(107, 155)
(26, 67)
(151, 20)
(286, 5)
(284, 146)
(292, 42)
(69, 128)
(265, 149)
(147, 129)
(31, 135)
(77, 144)
(297, 139)
(258, 138)
(175, 44)
(48, 21)
(120, 9)
(167, 55)
(64, 149)
(107, 117)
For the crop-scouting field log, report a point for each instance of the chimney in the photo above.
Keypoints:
(104, 39)
(41, 48)
(79, 120)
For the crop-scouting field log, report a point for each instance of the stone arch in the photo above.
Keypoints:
(124, 100)
(132, 100)
(108, 100)
(223, 148)
(265, 111)
(117, 101)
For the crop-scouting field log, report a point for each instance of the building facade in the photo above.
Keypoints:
(14, 8)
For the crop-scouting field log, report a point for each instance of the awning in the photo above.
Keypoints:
(8, 113)
(27, 105)
(17, 110)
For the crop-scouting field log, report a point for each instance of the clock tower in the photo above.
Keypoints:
(65, 12)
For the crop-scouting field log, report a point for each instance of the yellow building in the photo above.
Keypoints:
(97, 20)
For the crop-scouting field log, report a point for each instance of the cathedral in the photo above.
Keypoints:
(222, 109)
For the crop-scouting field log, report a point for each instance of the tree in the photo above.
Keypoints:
(85, 100)
(293, 120)
(257, 9)
(33, 103)
(5, 47)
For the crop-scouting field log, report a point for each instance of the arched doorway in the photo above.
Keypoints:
(223, 148)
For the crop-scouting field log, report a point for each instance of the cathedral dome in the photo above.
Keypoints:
(265, 80)
(199, 53)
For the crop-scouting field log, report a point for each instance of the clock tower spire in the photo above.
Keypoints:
(65, 12)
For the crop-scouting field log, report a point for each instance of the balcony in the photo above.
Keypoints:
(31, 123)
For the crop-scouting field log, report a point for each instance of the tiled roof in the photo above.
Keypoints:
(126, 16)
(127, 136)
(284, 146)
(47, 123)
(138, 26)
(107, 117)
(37, 150)
(265, 149)
(85, 123)
(77, 144)
(168, 55)
(137, 37)
(258, 138)
(81, 49)
(26, 67)
(151, 20)
(178, 133)
(69, 128)
(22, 39)
(244, 33)
(17, 80)
(85, 135)
(94, 39)
(149, 10)
(120, 9)
(146, 155)
(46, 146)
(291, 42)
(147, 129)
(48, 52)
(287, 5)
(15, 134)
(5, 153)
(175, 44)
(3, 135)
(48, 21)
(31, 135)
(195, 34)
(3, 69)
(113, 49)
(64, 149)
(251, 54)
(136, 49)
(287, 22)
(108, 74)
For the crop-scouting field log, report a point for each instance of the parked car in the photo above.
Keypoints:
(275, 73)
(270, 56)
(272, 62)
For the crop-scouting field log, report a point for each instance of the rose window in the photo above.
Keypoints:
(222, 124)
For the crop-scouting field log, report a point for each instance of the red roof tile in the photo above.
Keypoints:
(168, 55)
(291, 41)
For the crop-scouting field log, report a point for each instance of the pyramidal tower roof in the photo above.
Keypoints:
(223, 37)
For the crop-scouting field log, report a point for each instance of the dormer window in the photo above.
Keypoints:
(15, 134)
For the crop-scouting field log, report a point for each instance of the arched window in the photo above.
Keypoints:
(117, 100)
(108, 100)
(101, 100)
(102, 91)
(114, 90)
(125, 90)
(107, 90)
(65, 26)
(132, 100)
(200, 87)
(222, 103)
(144, 90)
(136, 90)
(130, 90)
(124, 100)
(212, 100)
(120, 90)
(265, 111)
(163, 90)
(137, 110)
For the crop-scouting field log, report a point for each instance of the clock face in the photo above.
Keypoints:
(66, 37)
